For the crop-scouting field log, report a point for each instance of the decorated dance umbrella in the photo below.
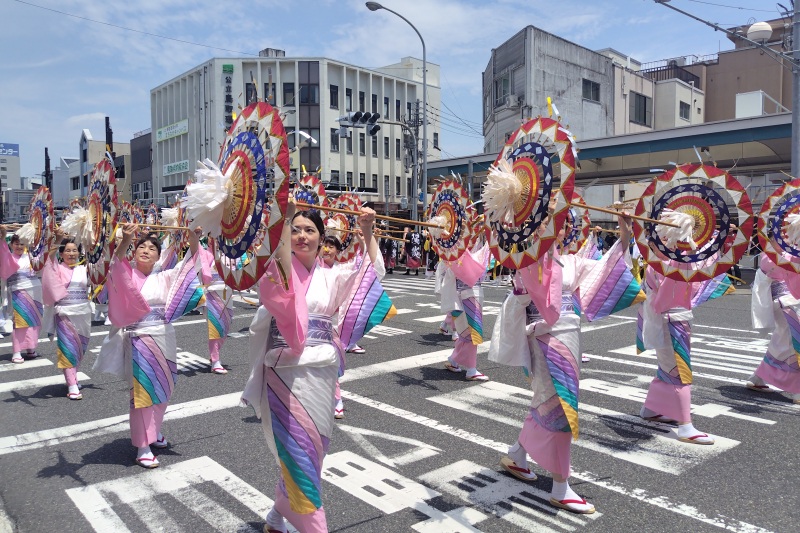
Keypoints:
(344, 226)
(714, 216)
(310, 190)
(779, 226)
(578, 226)
(228, 200)
(38, 233)
(448, 209)
(131, 214)
(151, 217)
(102, 206)
(536, 165)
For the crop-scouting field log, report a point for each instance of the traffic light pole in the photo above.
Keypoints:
(414, 172)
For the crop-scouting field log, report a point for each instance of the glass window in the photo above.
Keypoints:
(335, 177)
(397, 109)
(408, 189)
(334, 139)
(387, 185)
(502, 88)
(361, 98)
(386, 147)
(349, 179)
(348, 99)
(397, 185)
(641, 109)
(269, 92)
(288, 94)
(408, 110)
(334, 97)
(374, 145)
(397, 149)
(374, 107)
(685, 110)
(435, 140)
(349, 142)
(362, 180)
(385, 107)
(362, 144)
(374, 181)
(250, 96)
(591, 90)
(309, 93)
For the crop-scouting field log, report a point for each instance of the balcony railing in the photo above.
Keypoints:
(671, 72)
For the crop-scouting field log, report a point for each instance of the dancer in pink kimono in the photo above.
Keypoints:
(65, 288)
(144, 303)
(466, 317)
(296, 359)
(776, 307)
(539, 330)
(219, 307)
(26, 298)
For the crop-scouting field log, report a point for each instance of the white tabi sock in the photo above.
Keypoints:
(144, 451)
(275, 521)
(518, 454)
(73, 389)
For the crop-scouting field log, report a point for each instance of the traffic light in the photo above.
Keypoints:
(372, 126)
(351, 119)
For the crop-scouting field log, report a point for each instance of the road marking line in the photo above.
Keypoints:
(697, 362)
(642, 495)
(37, 382)
(40, 361)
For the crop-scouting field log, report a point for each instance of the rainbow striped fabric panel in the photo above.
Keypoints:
(154, 374)
(368, 306)
(469, 322)
(70, 344)
(677, 369)
(610, 287)
(218, 315)
(186, 293)
(27, 310)
(713, 288)
(560, 412)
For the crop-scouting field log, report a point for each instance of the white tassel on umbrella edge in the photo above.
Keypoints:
(500, 192)
(169, 216)
(439, 220)
(78, 225)
(205, 198)
(793, 229)
(672, 236)
(26, 234)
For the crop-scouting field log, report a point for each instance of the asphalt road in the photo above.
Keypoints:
(418, 448)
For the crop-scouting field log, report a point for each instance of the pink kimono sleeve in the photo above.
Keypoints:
(667, 293)
(543, 282)
(781, 274)
(8, 264)
(126, 305)
(470, 267)
(207, 263)
(290, 312)
(55, 279)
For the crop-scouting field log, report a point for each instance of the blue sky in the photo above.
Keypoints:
(59, 74)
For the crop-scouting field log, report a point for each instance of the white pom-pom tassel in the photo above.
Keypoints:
(501, 190)
(439, 220)
(26, 234)
(78, 225)
(205, 199)
(793, 229)
(169, 216)
(683, 233)
(334, 227)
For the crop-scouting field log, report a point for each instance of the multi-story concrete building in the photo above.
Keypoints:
(61, 180)
(142, 168)
(9, 166)
(90, 153)
(190, 115)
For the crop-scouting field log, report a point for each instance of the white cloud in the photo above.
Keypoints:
(79, 121)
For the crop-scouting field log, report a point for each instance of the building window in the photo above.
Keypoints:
(374, 103)
(349, 179)
(386, 147)
(375, 182)
(309, 93)
(397, 109)
(386, 185)
(362, 144)
(397, 185)
(685, 110)
(250, 96)
(362, 180)
(502, 88)
(436, 140)
(397, 149)
(3, 168)
(269, 93)
(348, 99)
(288, 94)
(334, 177)
(408, 110)
(409, 192)
(591, 90)
(334, 97)
(334, 139)
(74, 184)
(641, 109)
(3, 160)
(349, 143)
(361, 98)
(374, 145)
(385, 107)
(86, 180)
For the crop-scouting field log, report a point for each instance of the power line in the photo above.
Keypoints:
(449, 122)
(134, 30)
(454, 128)
(732, 7)
(450, 114)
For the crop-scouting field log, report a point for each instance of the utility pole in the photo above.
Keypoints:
(412, 124)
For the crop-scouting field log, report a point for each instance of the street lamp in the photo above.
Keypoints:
(374, 6)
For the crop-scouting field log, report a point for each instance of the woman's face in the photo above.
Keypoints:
(328, 253)
(305, 237)
(146, 254)
(70, 254)
(17, 247)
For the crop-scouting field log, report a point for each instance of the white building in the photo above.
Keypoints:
(9, 166)
(191, 113)
(61, 180)
(91, 153)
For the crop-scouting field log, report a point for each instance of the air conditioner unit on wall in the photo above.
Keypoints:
(512, 100)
